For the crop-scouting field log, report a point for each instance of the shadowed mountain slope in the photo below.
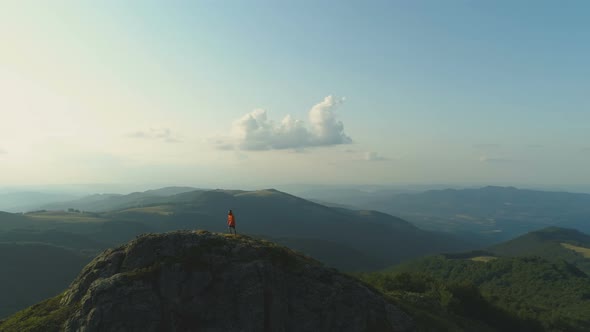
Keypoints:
(33, 272)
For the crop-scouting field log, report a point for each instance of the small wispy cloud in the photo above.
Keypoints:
(2, 151)
(374, 156)
(254, 131)
(162, 134)
(535, 146)
(485, 146)
(486, 159)
(586, 149)
(219, 143)
(241, 156)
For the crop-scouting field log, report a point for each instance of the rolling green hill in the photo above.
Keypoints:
(539, 277)
(276, 214)
(384, 238)
(550, 243)
(12, 220)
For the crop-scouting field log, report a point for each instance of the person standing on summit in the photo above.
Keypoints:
(231, 222)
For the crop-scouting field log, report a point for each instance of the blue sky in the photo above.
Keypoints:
(196, 92)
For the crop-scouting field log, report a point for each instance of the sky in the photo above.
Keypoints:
(256, 93)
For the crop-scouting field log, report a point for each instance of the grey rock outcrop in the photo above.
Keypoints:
(201, 281)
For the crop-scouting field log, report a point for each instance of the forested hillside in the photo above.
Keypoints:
(525, 291)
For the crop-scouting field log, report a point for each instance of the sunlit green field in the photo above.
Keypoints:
(484, 259)
(62, 216)
(164, 210)
(584, 251)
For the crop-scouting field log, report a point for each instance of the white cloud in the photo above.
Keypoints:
(326, 129)
(254, 131)
(163, 134)
(2, 151)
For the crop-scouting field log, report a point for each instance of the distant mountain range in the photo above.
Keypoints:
(490, 214)
(23, 201)
(110, 202)
(485, 215)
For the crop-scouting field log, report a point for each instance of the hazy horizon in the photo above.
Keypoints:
(293, 188)
(255, 94)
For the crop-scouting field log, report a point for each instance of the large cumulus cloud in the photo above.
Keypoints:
(254, 131)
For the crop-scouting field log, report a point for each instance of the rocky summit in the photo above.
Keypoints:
(202, 281)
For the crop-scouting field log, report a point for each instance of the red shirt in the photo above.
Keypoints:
(231, 220)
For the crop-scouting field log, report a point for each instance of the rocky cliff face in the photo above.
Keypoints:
(201, 281)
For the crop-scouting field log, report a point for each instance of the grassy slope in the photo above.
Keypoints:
(581, 250)
(47, 316)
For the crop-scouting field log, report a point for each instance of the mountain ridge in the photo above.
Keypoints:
(276, 214)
